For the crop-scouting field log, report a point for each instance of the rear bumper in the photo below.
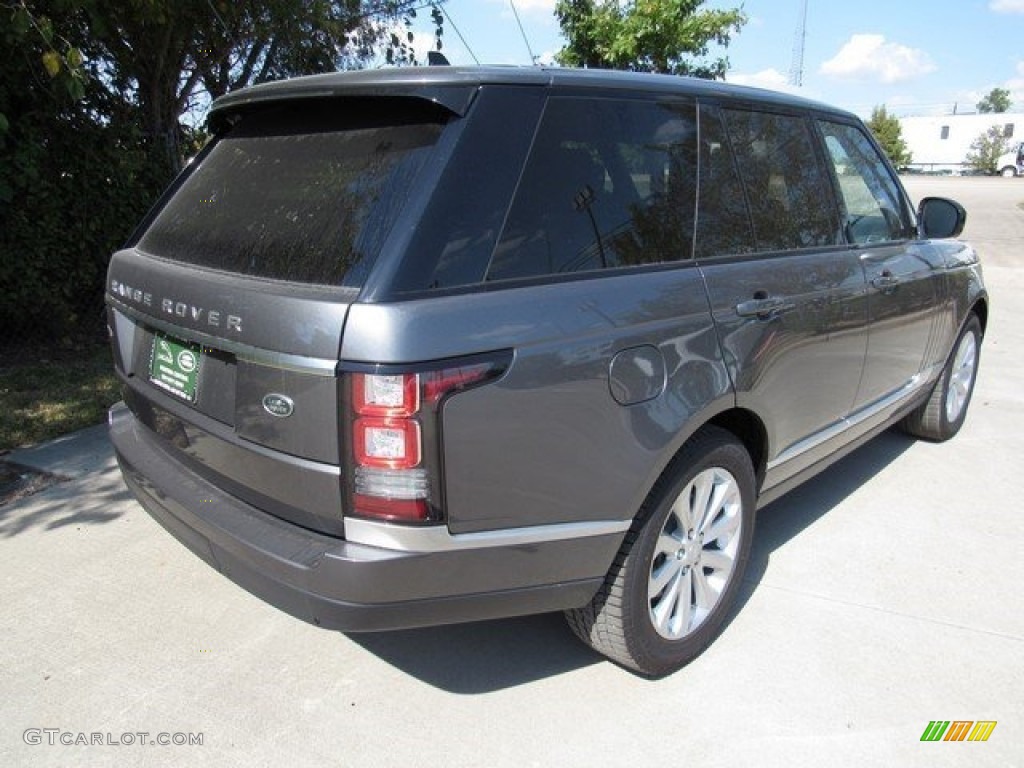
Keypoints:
(343, 585)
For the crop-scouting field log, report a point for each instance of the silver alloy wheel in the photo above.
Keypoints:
(696, 553)
(961, 376)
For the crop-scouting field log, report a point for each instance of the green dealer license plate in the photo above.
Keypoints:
(174, 366)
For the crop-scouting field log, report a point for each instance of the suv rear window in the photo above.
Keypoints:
(296, 197)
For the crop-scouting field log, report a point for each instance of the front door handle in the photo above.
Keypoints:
(886, 282)
(764, 308)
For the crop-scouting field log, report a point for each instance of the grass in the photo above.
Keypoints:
(47, 393)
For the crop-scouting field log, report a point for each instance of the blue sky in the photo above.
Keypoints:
(914, 56)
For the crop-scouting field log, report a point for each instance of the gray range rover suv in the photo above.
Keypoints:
(434, 345)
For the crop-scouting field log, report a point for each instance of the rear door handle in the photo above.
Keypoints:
(764, 308)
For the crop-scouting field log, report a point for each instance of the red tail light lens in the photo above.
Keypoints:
(391, 510)
(395, 439)
(392, 395)
(437, 384)
(387, 443)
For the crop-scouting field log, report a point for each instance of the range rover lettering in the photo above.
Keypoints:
(415, 347)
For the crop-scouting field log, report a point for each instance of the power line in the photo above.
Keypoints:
(440, 7)
(533, 59)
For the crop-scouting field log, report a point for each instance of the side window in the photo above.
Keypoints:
(871, 200)
(723, 217)
(788, 190)
(609, 183)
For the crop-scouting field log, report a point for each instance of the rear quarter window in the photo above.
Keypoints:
(296, 196)
(608, 183)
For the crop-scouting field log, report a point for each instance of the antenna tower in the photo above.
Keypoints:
(796, 67)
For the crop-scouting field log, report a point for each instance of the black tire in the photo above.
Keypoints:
(622, 621)
(939, 418)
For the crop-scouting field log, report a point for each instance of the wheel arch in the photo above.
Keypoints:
(743, 424)
(980, 308)
(747, 427)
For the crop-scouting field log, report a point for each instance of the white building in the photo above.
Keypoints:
(941, 143)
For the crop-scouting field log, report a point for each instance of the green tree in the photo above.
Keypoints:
(92, 96)
(667, 36)
(987, 149)
(165, 55)
(69, 177)
(997, 100)
(889, 134)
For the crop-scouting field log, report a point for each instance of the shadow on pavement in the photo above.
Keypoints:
(784, 519)
(72, 480)
(482, 656)
(66, 503)
(486, 656)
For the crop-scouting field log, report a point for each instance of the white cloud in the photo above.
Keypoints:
(766, 78)
(871, 57)
(1007, 6)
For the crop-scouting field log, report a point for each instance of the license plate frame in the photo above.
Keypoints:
(174, 366)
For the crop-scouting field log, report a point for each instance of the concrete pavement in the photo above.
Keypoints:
(882, 595)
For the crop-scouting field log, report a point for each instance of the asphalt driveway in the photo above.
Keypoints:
(882, 595)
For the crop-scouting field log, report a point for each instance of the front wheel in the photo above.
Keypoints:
(941, 416)
(1008, 172)
(680, 567)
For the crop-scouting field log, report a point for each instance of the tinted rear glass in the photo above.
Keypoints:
(609, 183)
(296, 196)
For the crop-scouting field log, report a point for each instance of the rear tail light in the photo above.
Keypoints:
(377, 395)
(387, 443)
(394, 437)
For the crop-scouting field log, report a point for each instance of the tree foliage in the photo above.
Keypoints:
(986, 150)
(889, 134)
(167, 55)
(92, 99)
(667, 36)
(997, 100)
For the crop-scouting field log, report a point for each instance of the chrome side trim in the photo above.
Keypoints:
(864, 414)
(437, 538)
(297, 363)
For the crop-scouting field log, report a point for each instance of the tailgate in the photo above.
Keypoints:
(203, 361)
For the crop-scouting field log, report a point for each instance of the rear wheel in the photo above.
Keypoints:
(942, 415)
(680, 567)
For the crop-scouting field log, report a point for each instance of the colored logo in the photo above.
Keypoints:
(958, 730)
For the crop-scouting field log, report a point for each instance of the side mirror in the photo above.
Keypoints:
(939, 217)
